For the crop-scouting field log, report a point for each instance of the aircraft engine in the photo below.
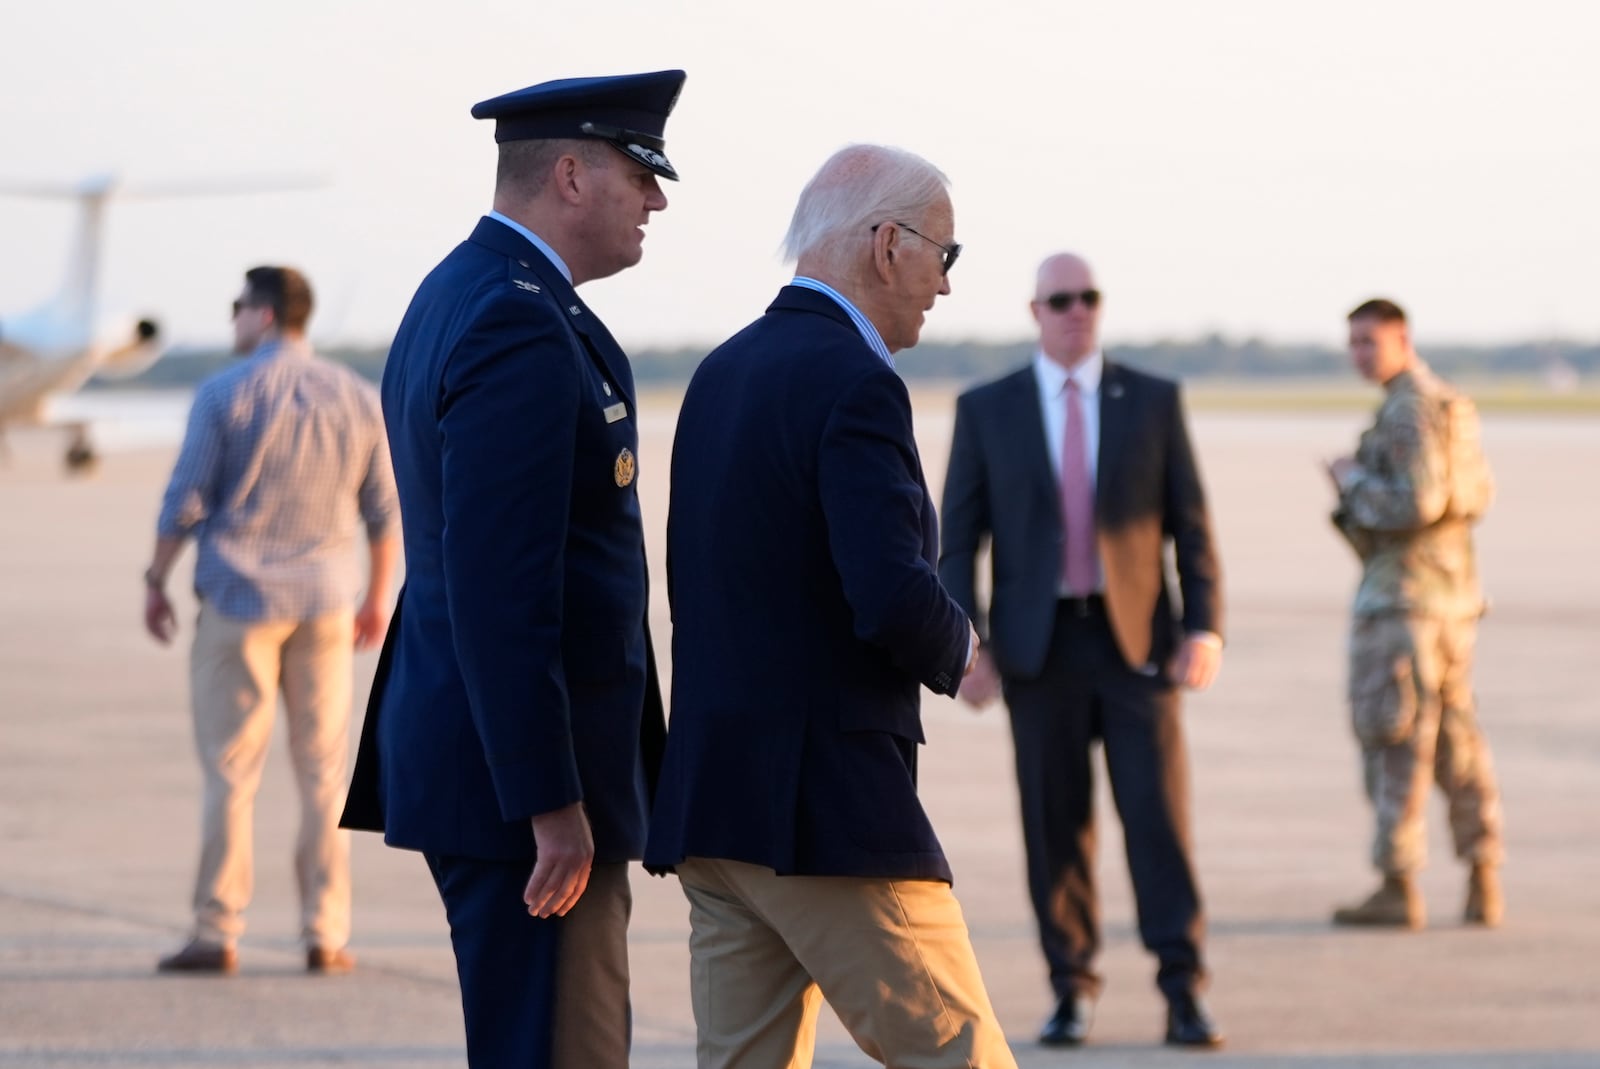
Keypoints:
(136, 350)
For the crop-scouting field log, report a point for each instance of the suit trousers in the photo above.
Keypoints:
(237, 668)
(539, 993)
(892, 957)
(1087, 693)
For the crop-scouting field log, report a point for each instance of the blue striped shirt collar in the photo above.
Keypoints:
(538, 243)
(869, 332)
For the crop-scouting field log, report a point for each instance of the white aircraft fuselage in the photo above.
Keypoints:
(56, 348)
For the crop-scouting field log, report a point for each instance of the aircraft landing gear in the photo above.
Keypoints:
(81, 457)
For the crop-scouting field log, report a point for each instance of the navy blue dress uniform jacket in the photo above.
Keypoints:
(801, 548)
(517, 676)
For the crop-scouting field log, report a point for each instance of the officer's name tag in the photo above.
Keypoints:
(616, 412)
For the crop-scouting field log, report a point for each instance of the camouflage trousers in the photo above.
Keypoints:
(1412, 708)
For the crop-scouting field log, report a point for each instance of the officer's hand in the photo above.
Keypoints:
(566, 852)
(982, 684)
(1197, 663)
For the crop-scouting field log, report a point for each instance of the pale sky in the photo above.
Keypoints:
(1254, 167)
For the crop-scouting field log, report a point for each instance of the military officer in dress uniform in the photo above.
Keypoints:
(515, 724)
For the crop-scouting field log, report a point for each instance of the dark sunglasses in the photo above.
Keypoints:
(239, 306)
(1061, 302)
(950, 251)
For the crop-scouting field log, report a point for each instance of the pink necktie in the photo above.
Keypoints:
(1077, 500)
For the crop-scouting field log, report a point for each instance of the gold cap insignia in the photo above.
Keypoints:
(624, 468)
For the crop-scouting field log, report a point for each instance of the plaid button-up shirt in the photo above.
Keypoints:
(283, 464)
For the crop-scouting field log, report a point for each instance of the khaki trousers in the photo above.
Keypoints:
(236, 671)
(892, 957)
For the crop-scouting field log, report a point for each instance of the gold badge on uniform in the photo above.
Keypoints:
(624, 468)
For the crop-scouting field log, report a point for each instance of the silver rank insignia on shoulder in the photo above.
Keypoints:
(623, 471)
(574, 309)
(524, 284)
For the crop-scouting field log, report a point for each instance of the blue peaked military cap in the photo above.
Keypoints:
(629, 111)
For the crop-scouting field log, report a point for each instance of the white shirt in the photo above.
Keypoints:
(1052, 379)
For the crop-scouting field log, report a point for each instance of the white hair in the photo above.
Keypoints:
(859, 187)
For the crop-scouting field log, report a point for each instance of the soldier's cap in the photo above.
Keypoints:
(627, 111)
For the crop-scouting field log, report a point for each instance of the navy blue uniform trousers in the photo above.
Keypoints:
(538, 993)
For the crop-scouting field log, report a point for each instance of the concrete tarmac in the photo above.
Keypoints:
(99, 806)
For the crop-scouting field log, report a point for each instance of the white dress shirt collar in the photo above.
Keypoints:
(1053, 377)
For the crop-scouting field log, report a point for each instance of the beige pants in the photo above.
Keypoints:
(892, 957)
(236, 670)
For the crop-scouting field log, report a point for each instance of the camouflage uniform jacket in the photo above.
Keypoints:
(1408, 508)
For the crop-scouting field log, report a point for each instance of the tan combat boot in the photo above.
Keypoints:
(1485, 904)
(1397, 903)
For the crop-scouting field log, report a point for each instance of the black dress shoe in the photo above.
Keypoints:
(1069, 1025)
(1189, 1025)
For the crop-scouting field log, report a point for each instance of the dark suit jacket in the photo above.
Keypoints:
(806, 609)
(517, 675)
(1001, 487)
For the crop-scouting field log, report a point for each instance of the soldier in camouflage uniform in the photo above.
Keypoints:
(1407, 502)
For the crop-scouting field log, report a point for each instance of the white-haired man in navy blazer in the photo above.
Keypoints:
(807, 616)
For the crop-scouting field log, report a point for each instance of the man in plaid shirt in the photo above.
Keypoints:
(283, 466)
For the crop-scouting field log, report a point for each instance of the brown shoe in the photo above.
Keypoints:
(1486, 906)
(329, 962)
(201, 957)
(1397, 903)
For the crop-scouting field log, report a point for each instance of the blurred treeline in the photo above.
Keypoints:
(1213, 356)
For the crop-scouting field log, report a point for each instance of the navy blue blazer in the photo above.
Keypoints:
(1001, 489)
(517, 676)
(806, 610)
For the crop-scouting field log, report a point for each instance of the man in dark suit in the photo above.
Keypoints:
(515, 721)
(1077, 471)
(807, 614)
